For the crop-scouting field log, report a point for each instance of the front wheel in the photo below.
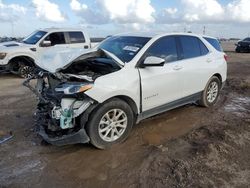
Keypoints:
(25, 71)
(110, 124)
(211, 93)
(237, 50)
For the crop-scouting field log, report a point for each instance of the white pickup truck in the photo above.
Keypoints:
(19, 57)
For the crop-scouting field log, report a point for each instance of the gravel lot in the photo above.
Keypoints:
(186, 147)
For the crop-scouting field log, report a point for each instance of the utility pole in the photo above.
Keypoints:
(204, 30)
(12, 28)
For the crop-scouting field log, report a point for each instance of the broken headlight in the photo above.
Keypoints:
(69, 89)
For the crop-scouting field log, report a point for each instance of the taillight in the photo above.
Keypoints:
(226, 57)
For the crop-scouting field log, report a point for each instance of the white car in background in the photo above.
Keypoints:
(19, 57)
(99, 96)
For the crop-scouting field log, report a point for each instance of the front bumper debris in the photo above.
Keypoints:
(79, 137)
(57, 117)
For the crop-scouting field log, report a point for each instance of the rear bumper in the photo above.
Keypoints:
(223, 84)
(74, 138)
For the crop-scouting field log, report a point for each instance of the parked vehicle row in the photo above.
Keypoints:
(19, 57)
(98, 95)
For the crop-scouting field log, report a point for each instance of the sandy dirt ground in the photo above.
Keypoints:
(186, 147)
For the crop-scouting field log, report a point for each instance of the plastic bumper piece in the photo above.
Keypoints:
(74, 138)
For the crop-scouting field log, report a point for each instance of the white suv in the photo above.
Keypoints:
(99, 96)
(19, 57)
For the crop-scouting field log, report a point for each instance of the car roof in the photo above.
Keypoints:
(206, 36)
(53, 29)
(157, 35)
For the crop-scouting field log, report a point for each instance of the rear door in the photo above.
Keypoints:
(196, 63)
(161, 85)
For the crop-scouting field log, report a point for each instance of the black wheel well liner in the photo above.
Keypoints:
(218, 76)
(23, 60)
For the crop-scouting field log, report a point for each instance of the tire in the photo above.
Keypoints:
(211, 92)
(25, 71)
(105, 114)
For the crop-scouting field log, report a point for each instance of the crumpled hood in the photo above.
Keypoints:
(7, 46)
(56, 59)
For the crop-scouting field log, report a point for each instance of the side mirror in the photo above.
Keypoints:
(153, 61)
(46, 43)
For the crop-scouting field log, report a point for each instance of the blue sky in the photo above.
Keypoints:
(222, 18)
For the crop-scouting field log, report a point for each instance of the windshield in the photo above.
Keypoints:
(247, 39)
(124, 47)
(34, 37)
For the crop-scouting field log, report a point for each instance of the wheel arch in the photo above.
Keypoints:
(126, 99)
(130, 102)
(27, 60)
(218, 76)
(20, 60)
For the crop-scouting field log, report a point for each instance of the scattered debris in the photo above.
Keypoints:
(5, 137)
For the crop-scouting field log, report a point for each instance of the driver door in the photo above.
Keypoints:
(58, 45)
(161, 84)
(56, 39)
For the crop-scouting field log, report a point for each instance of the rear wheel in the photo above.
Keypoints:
(211, 93)
(110, 124)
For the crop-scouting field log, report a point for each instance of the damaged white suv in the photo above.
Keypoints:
(99, 96)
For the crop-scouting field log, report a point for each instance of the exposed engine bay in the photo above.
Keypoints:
(92, 69)
(63, 108)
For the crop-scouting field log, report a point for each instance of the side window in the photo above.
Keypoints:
(164, 48)
(190, 46)
(56, 38)
(76, 37)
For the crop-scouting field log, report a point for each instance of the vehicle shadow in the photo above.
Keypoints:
(6, 75)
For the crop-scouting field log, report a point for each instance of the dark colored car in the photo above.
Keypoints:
(243, 45)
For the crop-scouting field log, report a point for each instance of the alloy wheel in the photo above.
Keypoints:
(212, 92)
(26, 72)
(112, 125)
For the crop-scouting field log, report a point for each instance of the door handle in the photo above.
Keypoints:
(177, 67)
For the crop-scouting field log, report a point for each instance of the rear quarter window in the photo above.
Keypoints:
(215, 43)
